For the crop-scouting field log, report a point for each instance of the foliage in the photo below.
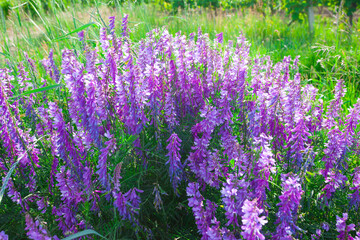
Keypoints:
(34, 7)
(350, 7)
(5, 7)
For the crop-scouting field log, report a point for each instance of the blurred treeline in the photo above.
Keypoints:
(298, 10)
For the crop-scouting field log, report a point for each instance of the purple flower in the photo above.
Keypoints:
(224, 105)
(219, 37)
(343, 228)
(357, 237)
(131, 103)
(204, 163)
(112, 24)
(288, 207)
(120, 204)
(355, 196)
(42, 205)
(91, 111)
(170, 113)
(333, 181)
(290, 97)
(64, 147)
(24, 79)
(157, 197)
(51, 68)
(30, 61)
(124, 24)
(335, 105)
(53, 172)
(110, 145)
(117, 176)
(133, 200)
(335, 148)
(35, 230)
(71, 196)
(353, 120)
(3, 236)
(298, 138)
(74, 79)
(264, 167)
(252, 222)
(175, 166)
(196, 202)
(81, 39)
(229, 143)
(325, 226)
(233, 194)
(104, 40)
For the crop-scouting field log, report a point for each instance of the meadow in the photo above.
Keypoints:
(135, 122)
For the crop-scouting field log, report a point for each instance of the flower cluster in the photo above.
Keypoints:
(252, 223)
(175, 166)
(288, 207)
(343, 228)
(244, 134)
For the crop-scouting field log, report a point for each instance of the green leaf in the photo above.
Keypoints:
(5, 54)
(310, 173)
(38, 90)
(8, 175)
(83, 233)
(232, 163)
(74, 31)
(5, 183)
(132, 139)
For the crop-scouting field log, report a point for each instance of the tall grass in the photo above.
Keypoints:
(332, 53)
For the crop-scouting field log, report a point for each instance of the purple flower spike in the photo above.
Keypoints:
(355, 196)
(357, 237)
(102, 165)
(353, 120)
(219, 37)
(325, 226)
(124, 24)
(264, 168)
(196, 203)
(298, 138)
(342, 228)
(3, 236)
(157, 197)
(233, 195)
(170, 113)
(51, 68)
(289, 204)
(35, 230)
(112, 24)
(81, 36)
(133, 200)
(104, 40)
(252, 222)
(175, 166)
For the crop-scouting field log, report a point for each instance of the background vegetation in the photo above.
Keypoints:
(276, 27)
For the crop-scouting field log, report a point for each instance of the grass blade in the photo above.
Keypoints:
(8, 175)
(74, 31)
(38, 90)
(83, 233)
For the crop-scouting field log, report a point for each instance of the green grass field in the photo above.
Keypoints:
(332, 53)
